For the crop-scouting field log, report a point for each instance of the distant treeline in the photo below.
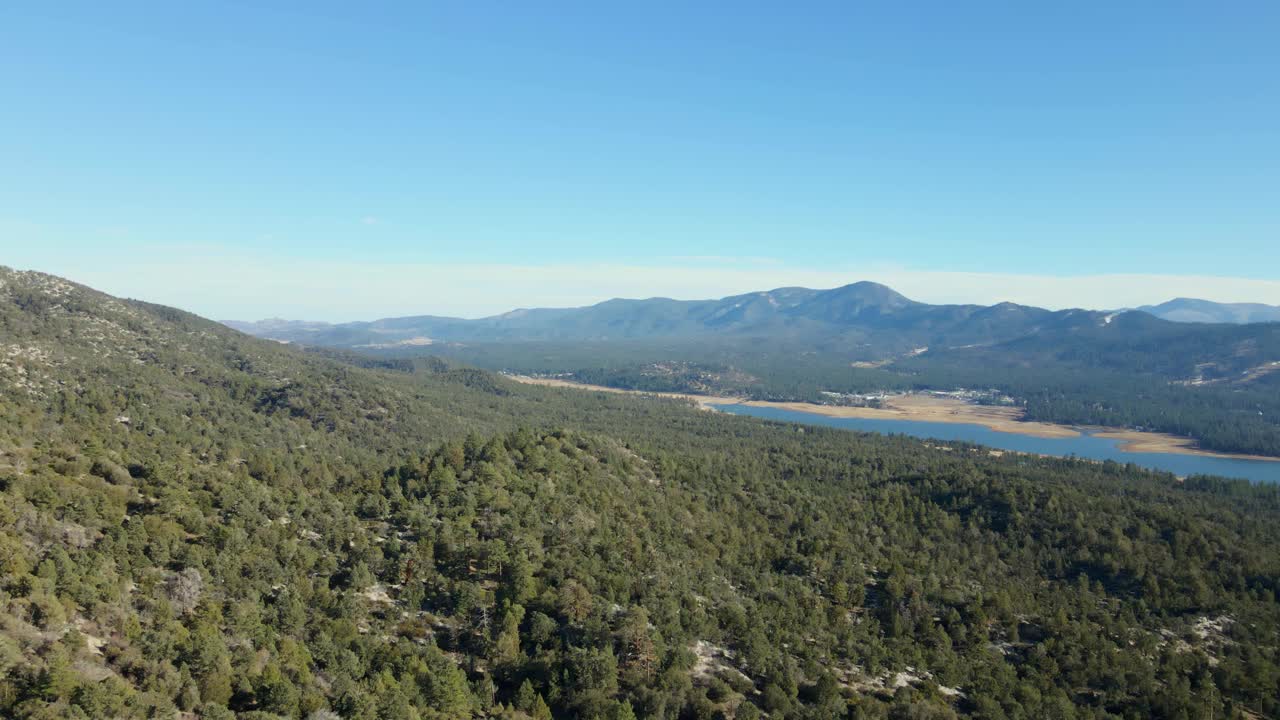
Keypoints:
(1222, 415)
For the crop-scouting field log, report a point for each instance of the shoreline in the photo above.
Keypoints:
(1136, 441)
(928, 408)
(931, 409)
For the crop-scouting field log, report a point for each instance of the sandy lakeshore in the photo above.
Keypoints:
(928, 408)
(1150, 442)
(931, 408)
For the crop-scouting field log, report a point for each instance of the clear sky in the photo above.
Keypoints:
(356, 160)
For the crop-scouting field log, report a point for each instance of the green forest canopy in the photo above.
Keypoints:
(193, 520)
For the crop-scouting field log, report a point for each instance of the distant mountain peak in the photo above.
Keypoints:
(847, 303)
(1185, 309)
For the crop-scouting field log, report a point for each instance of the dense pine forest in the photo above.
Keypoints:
(196, 523)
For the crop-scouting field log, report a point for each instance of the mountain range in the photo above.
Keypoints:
(864, 320)
(863, 314)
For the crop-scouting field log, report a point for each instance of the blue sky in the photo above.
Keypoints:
(464, 158)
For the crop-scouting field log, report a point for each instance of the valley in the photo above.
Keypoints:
(1208, 382)
(932, 408)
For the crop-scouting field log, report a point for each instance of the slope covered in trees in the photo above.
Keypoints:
(193, 520)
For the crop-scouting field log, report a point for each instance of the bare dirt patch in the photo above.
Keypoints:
(704, 401)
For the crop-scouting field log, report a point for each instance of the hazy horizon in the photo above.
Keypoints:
(524, 288)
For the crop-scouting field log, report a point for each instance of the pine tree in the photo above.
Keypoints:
(506, 648)
(540, 710)
(526, 697)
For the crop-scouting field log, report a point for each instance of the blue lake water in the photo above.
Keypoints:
(1084, 446)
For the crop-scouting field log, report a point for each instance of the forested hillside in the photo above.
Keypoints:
(195, 521)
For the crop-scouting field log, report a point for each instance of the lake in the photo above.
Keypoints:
(1084, 446)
